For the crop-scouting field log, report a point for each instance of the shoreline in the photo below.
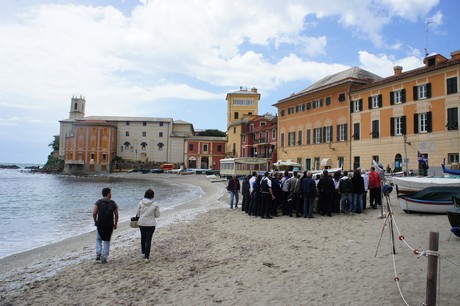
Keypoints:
(224, 257)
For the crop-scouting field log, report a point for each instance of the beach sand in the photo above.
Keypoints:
(225, 257)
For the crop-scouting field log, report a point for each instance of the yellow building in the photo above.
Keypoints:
(313, 124)
(353, 117)
(241, 105)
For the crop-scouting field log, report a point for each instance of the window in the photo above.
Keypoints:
(452, 158)
(299, 137)
(273, 134)
(342, 97)
(244, 138)
(308, 105)
(243, 102)
(143, 146)
(342, 132)
(160, 134)
(283, 111)
(144, 134)
(161, 123)
(219, 148)
(104, 157)
(375, 101)
(291, 139)
(422, 91)
(327, 134)
(375, 129)
(398, 126)
(91, 156)
(452, 118)
(356, 162)
(235, 115)
(317, 135)
(357, 106)
(308, 136)
(144, 123)
(356, 131)
(398, 97)
(190, 147)
(318, 103)
(341, 161)
(452, 85)
(205, 148)
(127, 133)
(328, 100)
(262, 123)
(127, 144)
(234, 130)
(282, 140)
(251, 128)
(160, 146)
(127, 122)
(422, 123)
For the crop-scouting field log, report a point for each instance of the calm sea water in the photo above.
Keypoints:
(39, 209)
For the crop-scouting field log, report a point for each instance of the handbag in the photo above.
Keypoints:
(133, 222)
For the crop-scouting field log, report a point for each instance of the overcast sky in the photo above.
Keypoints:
(178, 59)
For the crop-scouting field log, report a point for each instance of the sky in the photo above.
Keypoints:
(178, 59)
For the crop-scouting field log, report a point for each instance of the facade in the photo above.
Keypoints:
(259, 137)
(353, 117)
(416, 117)
(240, 104)
(137, 139)
(313, 125)
(204, 152)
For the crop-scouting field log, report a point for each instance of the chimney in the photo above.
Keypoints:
(253, 89)
(397, 70)
(455, 55)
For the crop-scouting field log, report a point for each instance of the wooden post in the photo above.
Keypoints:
(432, 272)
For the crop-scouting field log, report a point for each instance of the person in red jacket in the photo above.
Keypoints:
(375, 193)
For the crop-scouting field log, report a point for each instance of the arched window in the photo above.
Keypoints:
(160, 146)
(398, 163)
(127, 144)
(143, 146)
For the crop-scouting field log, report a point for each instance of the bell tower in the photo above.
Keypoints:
(77, 108)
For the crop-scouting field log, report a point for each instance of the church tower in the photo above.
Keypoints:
(240, 104)
(77, 108)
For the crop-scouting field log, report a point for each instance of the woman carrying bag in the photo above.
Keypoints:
(147, 210)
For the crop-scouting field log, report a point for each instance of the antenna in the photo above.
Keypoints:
(426, 37)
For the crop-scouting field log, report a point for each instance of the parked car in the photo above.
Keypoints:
(156, 170)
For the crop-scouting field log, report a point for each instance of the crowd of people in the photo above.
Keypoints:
(302, 194)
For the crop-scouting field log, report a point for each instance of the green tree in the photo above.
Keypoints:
(211, 132)
(55, 143)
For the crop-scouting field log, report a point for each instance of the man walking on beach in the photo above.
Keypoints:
(234, 188)
(105, 215)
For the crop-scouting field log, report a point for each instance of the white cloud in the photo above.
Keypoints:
(382, 64)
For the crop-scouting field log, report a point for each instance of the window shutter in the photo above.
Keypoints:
(314, 136)
(392, 126)
(346, 131)
(360, 105)
(332, 133)
(338, 132)
(403, 95)
(415, 93)
(321, 102)
(380, 100)
(429, 126)
(351, 105)
(324, 135)
(369, 100)
(403, 125)
(415, 123)
(428, 90)
(392, 97)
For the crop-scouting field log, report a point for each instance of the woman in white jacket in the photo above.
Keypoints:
(148, 211)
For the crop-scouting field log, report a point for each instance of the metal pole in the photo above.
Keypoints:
(432, 276)
(406, 161)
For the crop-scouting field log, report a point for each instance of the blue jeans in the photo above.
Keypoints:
(344, 197)
(102, 247)
(234, 194)
(358, 202)
(146, 239)
(308, 203)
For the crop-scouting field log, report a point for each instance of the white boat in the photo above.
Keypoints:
(411, 184)
(436, 200)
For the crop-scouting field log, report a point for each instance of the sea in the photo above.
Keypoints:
(39, 209)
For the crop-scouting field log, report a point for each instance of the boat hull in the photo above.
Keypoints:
(409, 204)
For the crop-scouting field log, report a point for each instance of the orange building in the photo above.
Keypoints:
(90, 147)
(313, 124)
(353, 117)
(204, 152)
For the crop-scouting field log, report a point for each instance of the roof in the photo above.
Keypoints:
(354, 74)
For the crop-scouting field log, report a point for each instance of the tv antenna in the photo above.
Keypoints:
(426, 37)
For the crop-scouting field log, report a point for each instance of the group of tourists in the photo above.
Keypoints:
(288, 193)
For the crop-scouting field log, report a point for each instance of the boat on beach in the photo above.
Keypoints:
(437, 200)
(453, 171)
(412, 184)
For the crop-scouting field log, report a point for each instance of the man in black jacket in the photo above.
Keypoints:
(326, 188)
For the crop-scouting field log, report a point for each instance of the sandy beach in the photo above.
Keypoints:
(225, 257)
